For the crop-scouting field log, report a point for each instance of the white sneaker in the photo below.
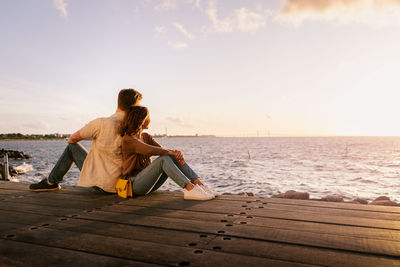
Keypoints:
(209, 190)
(196, 194)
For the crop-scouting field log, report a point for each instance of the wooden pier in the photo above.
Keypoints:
(77, 227)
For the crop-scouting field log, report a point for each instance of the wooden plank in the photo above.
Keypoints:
(24, 218)
(288, 203)
(221, 208)
(210, 206)
(139, 250)
(333, 241)
(184, 220)
(340, 230)
(37, 209)
(261, 221)
(296, 202)
(315, 210)
(229, 244)
(306, 255)
(14, 253)
(70, 201)
(205, 217)
(143, 233)
(230, 197)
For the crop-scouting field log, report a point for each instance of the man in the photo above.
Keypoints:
(102, 166)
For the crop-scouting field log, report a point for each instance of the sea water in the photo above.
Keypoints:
(365, 167)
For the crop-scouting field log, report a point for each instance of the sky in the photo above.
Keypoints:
(222, 67)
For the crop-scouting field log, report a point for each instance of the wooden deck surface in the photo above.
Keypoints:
(77, 226)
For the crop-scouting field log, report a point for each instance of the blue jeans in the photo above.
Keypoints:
(154, 175)
(73, 153)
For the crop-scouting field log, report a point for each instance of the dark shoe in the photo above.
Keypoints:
(44, 186)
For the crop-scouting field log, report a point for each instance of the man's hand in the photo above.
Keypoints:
(75, 138)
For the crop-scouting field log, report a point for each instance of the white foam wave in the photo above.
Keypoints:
(24, 168)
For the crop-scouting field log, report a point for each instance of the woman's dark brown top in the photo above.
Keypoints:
(133, 162)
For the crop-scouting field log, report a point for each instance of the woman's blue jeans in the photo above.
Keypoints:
(154, 175)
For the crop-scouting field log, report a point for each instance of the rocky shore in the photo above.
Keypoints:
(14, 154)
(292, 194)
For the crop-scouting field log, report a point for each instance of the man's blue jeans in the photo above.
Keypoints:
(154, 175)
(73, 153)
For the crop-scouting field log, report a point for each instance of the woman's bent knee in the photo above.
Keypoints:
(166, 158)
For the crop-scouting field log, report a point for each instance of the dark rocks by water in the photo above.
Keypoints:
(14, 154)
(292, 194)
(11, 170)
(384, 201)
(333, 198)
(360, 201)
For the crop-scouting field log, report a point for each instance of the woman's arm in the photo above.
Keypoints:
(133, 145)
(150, 140)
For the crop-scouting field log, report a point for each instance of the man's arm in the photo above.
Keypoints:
(75, 138)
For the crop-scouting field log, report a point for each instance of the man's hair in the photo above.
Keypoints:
(134, 118)
(127, 98)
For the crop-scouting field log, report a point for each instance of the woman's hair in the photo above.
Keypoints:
(134, 118)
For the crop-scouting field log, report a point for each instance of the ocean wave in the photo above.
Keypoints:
(24, 168)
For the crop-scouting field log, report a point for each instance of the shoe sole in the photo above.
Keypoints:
(46, 190)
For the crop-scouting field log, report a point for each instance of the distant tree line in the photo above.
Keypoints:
(20, 136)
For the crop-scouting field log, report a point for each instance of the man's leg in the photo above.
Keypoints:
(73, 153)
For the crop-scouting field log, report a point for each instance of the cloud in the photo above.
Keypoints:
(38, 125)
(224, 25)
(241, 19)
(249, 21)
(177, 45)
(178, 122)
(183, 30)
(375, 12)
(195, 2)
(166, 5)
(160, 30)
(61, 6)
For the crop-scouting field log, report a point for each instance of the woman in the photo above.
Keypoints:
(147, 176)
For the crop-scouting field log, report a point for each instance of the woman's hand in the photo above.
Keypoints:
(178, 156)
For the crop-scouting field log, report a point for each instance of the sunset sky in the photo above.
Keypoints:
(229, 68)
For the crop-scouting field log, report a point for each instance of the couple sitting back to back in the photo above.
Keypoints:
(121, 149)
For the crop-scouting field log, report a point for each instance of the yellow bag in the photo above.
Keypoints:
(124, 188)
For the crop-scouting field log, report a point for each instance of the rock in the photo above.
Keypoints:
(14, 154)
(296, 195)
(382, 198)
(292, 194)
(360, 201)
(248, 194)
(333, 198)
(384, 201)
(278, 195)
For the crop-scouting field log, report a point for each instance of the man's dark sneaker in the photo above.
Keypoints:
(44, 186)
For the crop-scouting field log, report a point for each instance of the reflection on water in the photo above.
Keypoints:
(351, 166)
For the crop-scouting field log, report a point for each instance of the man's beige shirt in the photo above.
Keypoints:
(103, 164)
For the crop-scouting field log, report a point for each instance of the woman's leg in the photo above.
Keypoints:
(154, 175)
(185, 169)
